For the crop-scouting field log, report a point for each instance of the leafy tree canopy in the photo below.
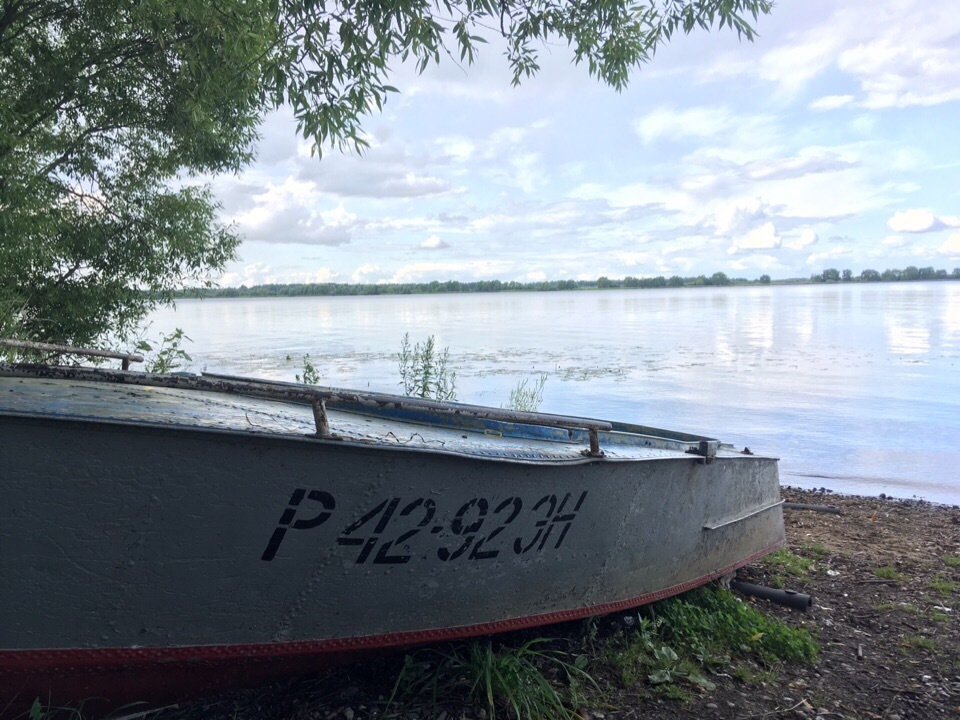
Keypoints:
(112, 112)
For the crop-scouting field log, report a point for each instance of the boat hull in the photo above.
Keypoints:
(140, 562)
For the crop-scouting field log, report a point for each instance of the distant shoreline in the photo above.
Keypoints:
(719, 279)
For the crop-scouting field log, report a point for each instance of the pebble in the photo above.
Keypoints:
(348, 713)
(893, 717)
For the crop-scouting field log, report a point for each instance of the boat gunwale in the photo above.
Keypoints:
(578, 429)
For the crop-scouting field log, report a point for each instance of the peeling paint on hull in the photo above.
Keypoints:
(158, 541)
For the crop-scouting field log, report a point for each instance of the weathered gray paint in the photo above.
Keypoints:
(140, 516)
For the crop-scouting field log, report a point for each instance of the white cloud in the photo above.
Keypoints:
(920, 220)
(533, 276)
(364, 273)
(831, 102)
(791, 66)
(476, 269)
(665, 123)
(840, 251)
(807, 238)
(433, 243)
(894, 241)
(905, 69)
(762, 238)
(262, 273)
(951, 247)
(458, 149)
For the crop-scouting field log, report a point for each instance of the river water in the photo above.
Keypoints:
(855, 387)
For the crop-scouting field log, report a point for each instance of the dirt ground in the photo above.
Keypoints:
(885, 578)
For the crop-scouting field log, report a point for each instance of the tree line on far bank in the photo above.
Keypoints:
(717, 279)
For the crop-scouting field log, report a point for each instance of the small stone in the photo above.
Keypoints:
(348, 713)
(713, 706)
(926, 678)
(730, 704)
(893, 717)
(482, 714)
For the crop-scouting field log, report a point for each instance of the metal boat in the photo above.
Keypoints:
(164, 535)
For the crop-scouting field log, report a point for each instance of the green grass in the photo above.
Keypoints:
(506, 679)
(951, 560)
(717, 622)
(670, 652)
(937, 616)
(942, 585)
(888, 573)
(783, 563)
(815, 550)
(904, 607)
(918, 641)
(680, 642)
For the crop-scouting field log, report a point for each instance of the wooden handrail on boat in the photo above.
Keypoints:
(313, 395)
(126, 358)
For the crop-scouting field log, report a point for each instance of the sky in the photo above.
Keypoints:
(831, 141)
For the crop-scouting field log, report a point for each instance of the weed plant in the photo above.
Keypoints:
(425, 371)
(671, 648)
(712, 621)
(680, 641)
(168, 356)
(311, 375)
(527, 397)
(500, 677)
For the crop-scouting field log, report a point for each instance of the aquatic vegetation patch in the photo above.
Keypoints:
(425, 370)
(527, 396)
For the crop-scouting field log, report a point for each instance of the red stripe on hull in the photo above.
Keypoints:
(165, 674)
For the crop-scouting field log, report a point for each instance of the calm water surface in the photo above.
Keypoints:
(856, 388)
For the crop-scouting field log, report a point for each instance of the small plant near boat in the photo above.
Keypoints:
(712, 622)
(168, 356)
(815, 550)
(783, 563)
(311, 376)
(526, 396)
(888, 573)
(425, 371)
(40, 711)
(682, 640)
(511, 680)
